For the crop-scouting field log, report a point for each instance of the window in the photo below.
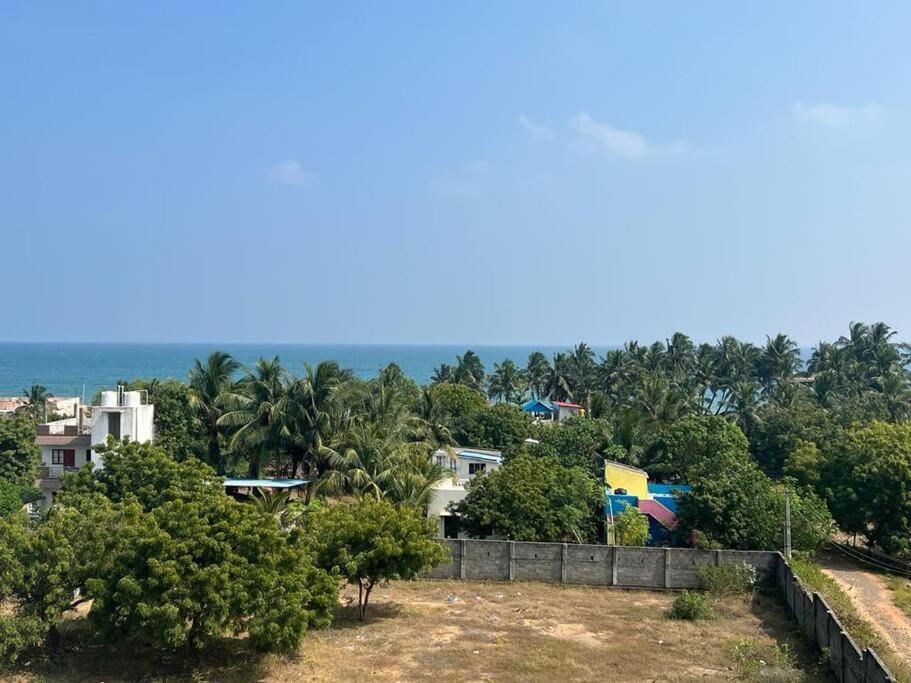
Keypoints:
(476, 468)
(88, 455)
(114, 425)
(63, 456)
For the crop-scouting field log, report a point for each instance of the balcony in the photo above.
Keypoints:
(60, 429)
(54, 471)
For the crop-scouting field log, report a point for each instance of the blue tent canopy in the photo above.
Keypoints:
(537, 407)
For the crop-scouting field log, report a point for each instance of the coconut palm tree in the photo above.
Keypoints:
(559, 381)
(506, 382)
(251, 416)
(443, 374)
(469, 370)
(210, 386)
(536, 371)
(778, 363)
(36, 399)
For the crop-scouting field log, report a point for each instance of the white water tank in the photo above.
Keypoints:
(108, 399)
(132, 398)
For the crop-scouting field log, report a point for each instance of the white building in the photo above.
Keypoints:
(465, 464)
(67, 445)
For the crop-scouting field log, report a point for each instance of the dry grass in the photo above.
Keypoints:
(456, 631)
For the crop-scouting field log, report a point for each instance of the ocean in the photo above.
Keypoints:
(77, 368)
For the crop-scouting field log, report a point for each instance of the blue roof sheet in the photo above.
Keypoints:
(486, 457)
(266, 483)
(535, 406)
(668, 489)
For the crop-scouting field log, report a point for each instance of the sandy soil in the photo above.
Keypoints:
(475, 631)
(873, 600)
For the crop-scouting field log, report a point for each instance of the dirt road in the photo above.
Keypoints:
(872, 599)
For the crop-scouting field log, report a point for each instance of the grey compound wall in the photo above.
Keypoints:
(596, 565)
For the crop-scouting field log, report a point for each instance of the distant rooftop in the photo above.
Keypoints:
(265, 483)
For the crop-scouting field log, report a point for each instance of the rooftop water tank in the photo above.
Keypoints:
(132, 398)
(108, 399)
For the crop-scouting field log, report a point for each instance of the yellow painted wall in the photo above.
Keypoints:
(621, 477)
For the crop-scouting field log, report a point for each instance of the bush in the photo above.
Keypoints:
(727, 579)
(10, 501)
(690, 606)
(631, 527)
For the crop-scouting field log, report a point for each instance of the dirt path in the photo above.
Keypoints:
(872, 599)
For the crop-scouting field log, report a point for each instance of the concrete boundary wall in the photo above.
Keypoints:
(821, 626)
(593, 565)
(657, 568)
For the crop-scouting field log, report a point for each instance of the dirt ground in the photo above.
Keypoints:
(458, 631)
(873, 600)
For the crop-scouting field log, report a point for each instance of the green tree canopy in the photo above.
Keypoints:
(532, 499)
(19, 455)
(576, 442)
(372, 541)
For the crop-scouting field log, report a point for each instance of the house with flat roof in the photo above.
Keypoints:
(66, 445)
(465, 464)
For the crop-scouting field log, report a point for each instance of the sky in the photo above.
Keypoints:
(476, 172)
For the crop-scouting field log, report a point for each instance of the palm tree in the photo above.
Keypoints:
(469, 371)
(559, 381)
(778, 363)
(271, 503)
(210, 386)
(506, 382)
(443, 374)
(582, 373)
(36, 402)
(251, 414)
(536, 371)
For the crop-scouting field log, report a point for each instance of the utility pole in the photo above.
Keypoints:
(787, 525)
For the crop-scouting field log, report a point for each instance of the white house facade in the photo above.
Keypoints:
(465, 464)
(66, 445)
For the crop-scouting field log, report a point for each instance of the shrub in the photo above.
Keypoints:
(631, 527)
(727, 579)
(690, 606)
(10, 501)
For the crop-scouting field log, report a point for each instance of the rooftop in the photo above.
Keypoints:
(266, 483)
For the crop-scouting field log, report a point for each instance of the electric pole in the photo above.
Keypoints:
(787, 525)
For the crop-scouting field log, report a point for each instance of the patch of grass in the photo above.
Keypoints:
(728, 579)
(690, 606)
(754, 659)
(812, 576)
(901, 592)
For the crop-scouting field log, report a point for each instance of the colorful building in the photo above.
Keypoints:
(629, 486)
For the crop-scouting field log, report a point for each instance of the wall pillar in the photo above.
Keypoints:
(563, 551)
(463, 551)
(512, 560)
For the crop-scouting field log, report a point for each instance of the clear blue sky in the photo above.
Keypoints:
(478, 172)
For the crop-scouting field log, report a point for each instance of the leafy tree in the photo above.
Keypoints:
(532, 499)
(697, 447)
(457, 407)
(576, 442)
(631, 527)
(19, 456)
(210, 387)
(805, 464)
(781, 429)
(372, 541)
(175, 562)
(502, 426)
(10, 499)
(867, 482)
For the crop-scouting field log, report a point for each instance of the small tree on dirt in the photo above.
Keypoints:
(631, 527)
(372, 541)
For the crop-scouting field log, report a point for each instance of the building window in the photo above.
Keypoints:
(476, 468)
(114, 425)
(63, 456)
(88, 455)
